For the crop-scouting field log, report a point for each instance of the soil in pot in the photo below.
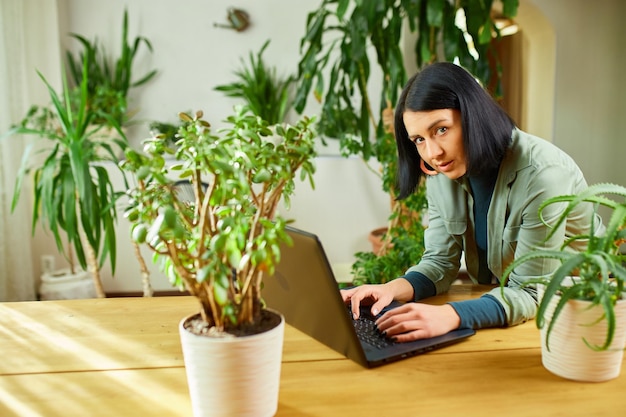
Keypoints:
(267, 321)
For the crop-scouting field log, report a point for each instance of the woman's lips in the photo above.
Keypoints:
(446, 166)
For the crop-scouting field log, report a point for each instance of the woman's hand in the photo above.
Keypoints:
(413, 321)
(378, 296)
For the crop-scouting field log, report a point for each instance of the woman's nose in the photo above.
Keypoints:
(433, 149)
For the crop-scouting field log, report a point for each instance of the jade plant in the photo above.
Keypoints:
(596, 274)
(220, 240)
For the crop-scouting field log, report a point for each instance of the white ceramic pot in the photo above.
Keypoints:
(568, 356)
(63, 285)
(237, 376)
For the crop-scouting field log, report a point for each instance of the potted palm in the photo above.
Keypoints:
(582, 304)
(74, 197)
(264, 91)
(341, 40)
(109, 81)
(218, 243)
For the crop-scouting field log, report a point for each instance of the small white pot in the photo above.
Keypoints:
(63, 285)
(569, 357)
(238, 376)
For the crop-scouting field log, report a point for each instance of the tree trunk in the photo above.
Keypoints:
(92, 262)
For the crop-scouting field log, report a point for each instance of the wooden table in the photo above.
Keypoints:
(122, 357)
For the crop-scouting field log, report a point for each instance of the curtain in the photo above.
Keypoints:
(29, 41)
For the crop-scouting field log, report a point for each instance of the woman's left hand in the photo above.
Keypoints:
(413, 321)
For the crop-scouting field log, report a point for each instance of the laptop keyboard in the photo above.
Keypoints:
(367, 332)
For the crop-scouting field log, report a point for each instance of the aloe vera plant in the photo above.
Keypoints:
(599, 270)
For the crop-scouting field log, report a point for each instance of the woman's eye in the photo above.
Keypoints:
(417, 140)
(441, 130)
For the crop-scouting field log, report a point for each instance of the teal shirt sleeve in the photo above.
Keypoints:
(480, 313)
(422, 286)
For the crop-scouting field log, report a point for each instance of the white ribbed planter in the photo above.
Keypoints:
(63, 285)
(569, 357)
(237, 376)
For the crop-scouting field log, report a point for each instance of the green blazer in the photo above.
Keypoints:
(532, 171)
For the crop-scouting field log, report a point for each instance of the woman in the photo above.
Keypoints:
(486, 180)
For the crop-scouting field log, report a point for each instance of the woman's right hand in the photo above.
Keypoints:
(378, 296)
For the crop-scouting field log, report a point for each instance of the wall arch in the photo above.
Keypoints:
(538, 72)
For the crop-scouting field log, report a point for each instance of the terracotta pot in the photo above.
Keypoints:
(568, 356)
(236, 376)
(376, 239)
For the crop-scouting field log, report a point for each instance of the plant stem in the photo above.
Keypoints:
(145, 274)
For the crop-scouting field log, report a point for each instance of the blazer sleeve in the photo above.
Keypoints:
(532, 189)
(443, 245)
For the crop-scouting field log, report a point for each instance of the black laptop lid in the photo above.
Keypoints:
(305, 291)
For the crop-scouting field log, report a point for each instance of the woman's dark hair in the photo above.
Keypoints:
(487, 128)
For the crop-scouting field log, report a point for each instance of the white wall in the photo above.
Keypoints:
(589, 108)
(193, 56)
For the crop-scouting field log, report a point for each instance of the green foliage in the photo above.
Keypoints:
(73, 193)
(219, 244)
(403, 246)
(341, 34)
(108, 83)
(167, 131)
(265, 93)
(599, 272)
(344, 40)
(404, 252)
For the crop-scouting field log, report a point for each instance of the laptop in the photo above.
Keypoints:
(305, 291)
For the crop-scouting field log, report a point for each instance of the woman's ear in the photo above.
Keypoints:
(427, 169)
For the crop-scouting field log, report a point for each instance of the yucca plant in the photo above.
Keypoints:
(264, 91)
(220, 243)
(74, 197)
(598, 272)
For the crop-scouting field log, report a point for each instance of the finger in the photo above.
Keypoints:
(392, 327)
(410, 336)
(355, 303)
(377, 307)
(346, 294)
(401, 319)
(394, 314)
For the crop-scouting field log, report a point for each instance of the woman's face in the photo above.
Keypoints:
(438, 136)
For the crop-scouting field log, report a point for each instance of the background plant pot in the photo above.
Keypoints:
(569, 357)
(376, 239)
(63, 285)
(238, 376)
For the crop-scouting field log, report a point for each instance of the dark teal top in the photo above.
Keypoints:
(485, 311)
